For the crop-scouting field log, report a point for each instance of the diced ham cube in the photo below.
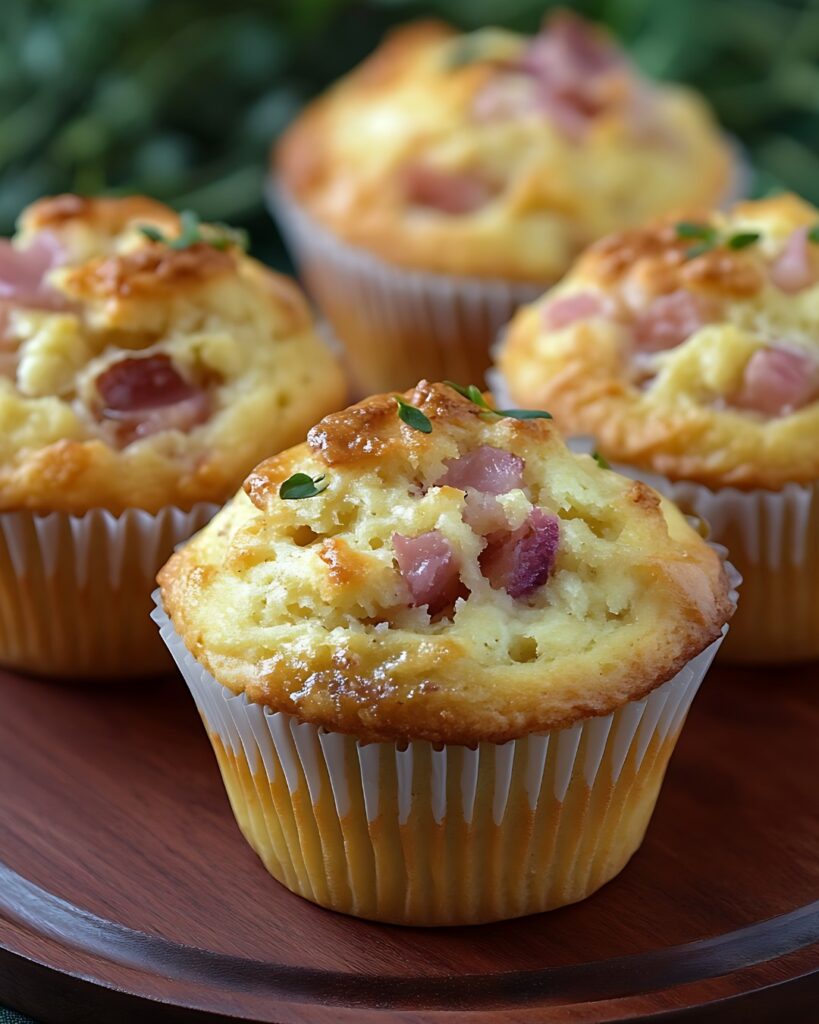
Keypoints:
(778, 381)
(451, 192)
(146, 395)
(521, 561)
(22, 272)
(795, 268)
(570, 308)
(487, 469)
(671, 319)
(429, 568)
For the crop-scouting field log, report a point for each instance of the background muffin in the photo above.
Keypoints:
(689, 349)
(147, 363)
(488, 155)
(442, 575)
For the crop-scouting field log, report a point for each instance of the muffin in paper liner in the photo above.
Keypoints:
(418, 834)
(396, 323)
(75, 589)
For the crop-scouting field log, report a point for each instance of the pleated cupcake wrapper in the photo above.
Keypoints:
(398, 325)
(75, 591)
(423, 835)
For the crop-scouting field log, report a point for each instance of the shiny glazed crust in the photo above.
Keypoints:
(682, 423)
(299, 603)
(412, 101)
(222, 319)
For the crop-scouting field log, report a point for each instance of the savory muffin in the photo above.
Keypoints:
(425, 570)
(146, 363)
(489, 155)
(690, 348)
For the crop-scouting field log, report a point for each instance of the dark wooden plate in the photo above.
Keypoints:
(127, 893)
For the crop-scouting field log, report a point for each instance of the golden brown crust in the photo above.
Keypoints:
(238, 337)
(319, 624)
(412, 103)
(679, 411)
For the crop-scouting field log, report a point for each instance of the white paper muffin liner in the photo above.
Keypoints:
(398, 325)
(75, 590)
(424, 835)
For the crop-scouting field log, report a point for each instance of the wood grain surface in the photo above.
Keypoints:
(127, 893)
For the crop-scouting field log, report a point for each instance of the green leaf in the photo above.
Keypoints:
(474, 394)
(300, 485)
(691, 229)
(601, 460)
(698, 250)
(413, 417)
(742, 239)
(524, 414)
(813, 234)
(154, 234)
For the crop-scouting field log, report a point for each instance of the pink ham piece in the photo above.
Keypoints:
(146, 395)
(451, 192)
(486, 469)
(521, 561)
(565, 311)
(429, 568)
(575, 74)
(670, 320)
(778, 381)
(22, 272)
(794, 269)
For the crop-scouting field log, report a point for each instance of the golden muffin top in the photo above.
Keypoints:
(689, 347)
(425, 568)
(495, 154)
(144, 360)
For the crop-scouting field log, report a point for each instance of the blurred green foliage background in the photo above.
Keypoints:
(181, 98)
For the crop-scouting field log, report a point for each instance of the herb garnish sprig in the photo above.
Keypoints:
(300, 485)
(193, 232)
(475, 395)
(601, 460)
(412, 416)
(706, 237)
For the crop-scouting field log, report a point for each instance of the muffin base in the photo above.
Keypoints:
(398, 324)
(416, 835)
(75, 590)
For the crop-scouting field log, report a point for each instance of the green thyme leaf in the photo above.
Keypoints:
(413, 417)
(474, 394)
(154, 234)
(193, 232)
(691, 229)
(601, 460)
(742, 239)
(300, 485)
(523, 414)
(813, 234)
(699, 250)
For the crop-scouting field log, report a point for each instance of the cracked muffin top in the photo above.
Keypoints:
(689, 347)
(145, 360)
(424, 567)
(499, 155)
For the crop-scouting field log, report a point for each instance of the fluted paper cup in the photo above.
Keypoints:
(75, 591)
(415, 834)
(395, 324)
